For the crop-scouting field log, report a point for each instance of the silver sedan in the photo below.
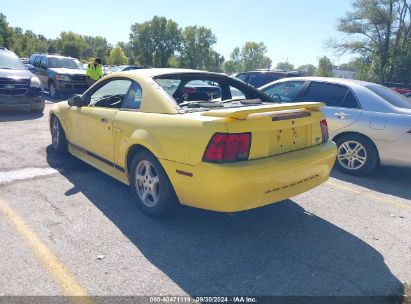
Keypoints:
(370, 123)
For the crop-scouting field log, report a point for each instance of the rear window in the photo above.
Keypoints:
(394, 98)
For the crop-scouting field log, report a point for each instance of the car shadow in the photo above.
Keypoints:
(388, 180)
(277, 250)
(19, 116)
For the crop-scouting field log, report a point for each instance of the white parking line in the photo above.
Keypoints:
(26, 173)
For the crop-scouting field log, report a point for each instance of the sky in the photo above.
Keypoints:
(296, 30)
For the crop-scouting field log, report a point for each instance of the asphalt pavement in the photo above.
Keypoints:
(68, 229)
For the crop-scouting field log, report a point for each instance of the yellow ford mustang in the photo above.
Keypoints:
(200, 139)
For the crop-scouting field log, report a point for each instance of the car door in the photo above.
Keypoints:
(341, 106)
(92, 125)
(42, 71)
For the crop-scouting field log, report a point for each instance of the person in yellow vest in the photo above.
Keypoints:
(94, 71)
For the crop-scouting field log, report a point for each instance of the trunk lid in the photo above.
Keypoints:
(275, 129)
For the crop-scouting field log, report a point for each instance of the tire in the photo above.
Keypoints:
(53, 92)
(58, 137)
(356, 155)
(151, 186)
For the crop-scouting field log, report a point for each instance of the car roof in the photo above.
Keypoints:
(324, 79)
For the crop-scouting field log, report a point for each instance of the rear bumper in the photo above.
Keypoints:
(247, 185)
(21, 103)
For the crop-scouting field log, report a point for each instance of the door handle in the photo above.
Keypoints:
(342, 115)
(103, 120)
(117, 129)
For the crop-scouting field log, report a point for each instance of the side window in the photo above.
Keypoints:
(236, 93)
(43, 62)
(32, 58)
(350, 101)
(36, 62)
(242, 77)
(111, 94)
(331, 94)
(284, 91)
(133, 98)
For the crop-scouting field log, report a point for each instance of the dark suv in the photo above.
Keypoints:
(19, 89)
(61, 75)
(260, 78)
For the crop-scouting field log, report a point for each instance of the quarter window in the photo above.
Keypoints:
(133, 99)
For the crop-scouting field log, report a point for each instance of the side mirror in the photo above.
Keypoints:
(29, 66)
(76, 101)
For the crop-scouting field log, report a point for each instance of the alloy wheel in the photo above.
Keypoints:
(147, 183)
(352, 155)
(55, 133)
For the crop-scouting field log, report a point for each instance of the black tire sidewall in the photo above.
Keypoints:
(372, 155)
(167, 200)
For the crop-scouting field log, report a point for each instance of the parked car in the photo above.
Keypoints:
(19, 88)
(59, 74)
(131, 67)
(370, 123)
(261, 77)
(226, 155)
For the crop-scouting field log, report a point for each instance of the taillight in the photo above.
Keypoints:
(225, 147)
(324, 130)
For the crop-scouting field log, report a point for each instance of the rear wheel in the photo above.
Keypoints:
(58, 137)
(356, 155)
(150, 186)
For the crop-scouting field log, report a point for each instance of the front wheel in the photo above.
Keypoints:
(150, 186)
(58, 137)
(54, 93)
(356, 155)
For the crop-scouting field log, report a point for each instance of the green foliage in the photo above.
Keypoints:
(117, 57)
(155, 41)
(379, 32)
(250, 57)
(196, 47)
(285, 66)
(325, 67)
(307, 69)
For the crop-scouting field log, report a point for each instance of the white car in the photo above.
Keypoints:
(370, 123)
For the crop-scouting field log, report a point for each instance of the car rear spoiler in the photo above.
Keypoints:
(245, 112)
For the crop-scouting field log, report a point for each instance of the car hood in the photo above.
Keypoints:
(18, 74)
(68, 71)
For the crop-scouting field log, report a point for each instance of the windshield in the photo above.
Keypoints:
(394, 98)
(67, 63)
(10, 61)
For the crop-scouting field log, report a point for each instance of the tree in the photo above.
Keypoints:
(71, 44)
(380, 31)
(286, 66)
(6, 32)
(214, 61)
(155, 41)
(307, 69)
(196, 47)
(250, 57)
(325, 67)
(117, 57)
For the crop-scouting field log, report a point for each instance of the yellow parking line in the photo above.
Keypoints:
(50, 262)
(374, 197)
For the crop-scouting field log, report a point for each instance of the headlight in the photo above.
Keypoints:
(35, 82)
(62, 77)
